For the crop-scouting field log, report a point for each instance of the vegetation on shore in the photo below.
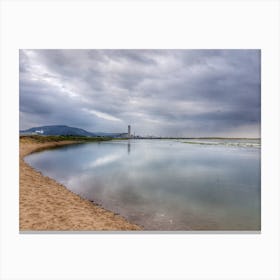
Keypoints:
(59, 138)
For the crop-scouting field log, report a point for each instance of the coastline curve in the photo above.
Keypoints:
(46, 205)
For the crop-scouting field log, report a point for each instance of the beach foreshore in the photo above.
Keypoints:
(46, 205)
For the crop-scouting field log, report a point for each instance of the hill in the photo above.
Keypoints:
(52, 130)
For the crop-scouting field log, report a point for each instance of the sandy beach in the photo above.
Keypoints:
(46, 205)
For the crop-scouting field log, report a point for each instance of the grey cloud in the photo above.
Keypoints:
(160, 92)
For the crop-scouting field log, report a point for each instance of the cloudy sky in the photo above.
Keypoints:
(159, 92)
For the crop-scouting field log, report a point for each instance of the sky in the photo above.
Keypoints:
(182, 93)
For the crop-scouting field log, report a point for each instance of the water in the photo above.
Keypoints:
(227, 142)
(164, 184)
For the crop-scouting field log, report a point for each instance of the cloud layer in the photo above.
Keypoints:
(158, 92)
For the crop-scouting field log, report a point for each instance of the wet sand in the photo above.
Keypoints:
(46, 205)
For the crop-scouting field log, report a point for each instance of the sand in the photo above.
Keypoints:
(46, 205)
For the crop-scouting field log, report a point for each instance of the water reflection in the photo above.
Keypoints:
(128, 147)
(103, 161)
(164, 185)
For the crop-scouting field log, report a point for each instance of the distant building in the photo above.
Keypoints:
(126, 134)
(129, 131)
(38, 132)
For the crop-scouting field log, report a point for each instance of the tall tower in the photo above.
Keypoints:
(128, 133)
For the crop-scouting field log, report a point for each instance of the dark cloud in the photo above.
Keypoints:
(158, 92)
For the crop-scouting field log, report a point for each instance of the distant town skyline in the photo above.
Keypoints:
(181, 93)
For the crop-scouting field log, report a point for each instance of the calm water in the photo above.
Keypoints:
(164, 184)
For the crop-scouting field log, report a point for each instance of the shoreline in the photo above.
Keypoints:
(46, 205)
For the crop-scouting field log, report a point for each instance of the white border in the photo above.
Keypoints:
(155, 24)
